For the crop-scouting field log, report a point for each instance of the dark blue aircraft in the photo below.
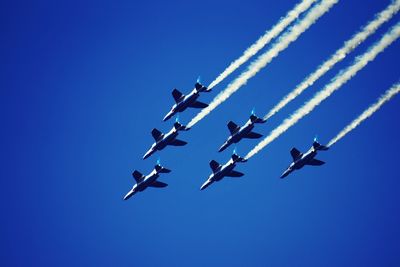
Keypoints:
(150, 180)
(238, 133)
(163, 140)
(220, 171)
(300, 159)
(183, 102)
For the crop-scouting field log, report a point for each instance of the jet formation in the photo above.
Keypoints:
(237, 133)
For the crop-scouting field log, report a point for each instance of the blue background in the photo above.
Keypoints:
(82, 85)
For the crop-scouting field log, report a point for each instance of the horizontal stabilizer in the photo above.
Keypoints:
(253, 135)
(296, 154)
(177, 142)
(233, 127)
(158, 184)
(200, 88)
(235, 174)
(237, 158)
(157, 135)
(137, 176)
(198, 104)
(178, 96)
(315, 162)
(161, 169)
(214, 165)
(318, 146)
(180, 127)
(255, 119)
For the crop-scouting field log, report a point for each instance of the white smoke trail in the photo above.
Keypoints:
(312, 16)
(395, 89)
(334, 85)
(264, 40)
(340, 54)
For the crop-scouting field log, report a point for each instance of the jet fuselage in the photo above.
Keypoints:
(139, 187)
(239, 135)
(308, 158)
(225, 169)
(162, 143)
(183, 104)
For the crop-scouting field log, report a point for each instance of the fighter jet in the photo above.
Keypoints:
(220, 171)
(150, 180)
(237, 132)
(190, 101)
(300, 159)
(163, 140)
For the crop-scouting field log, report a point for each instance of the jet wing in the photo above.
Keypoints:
(158, 184)
(315, 162)
(214, 165)
(253, 135)
(198, 104)
(235, 174)
(177, 95)
(157, 135)
(295, 154)
(233, 128)
(177, 142)
(137, 176)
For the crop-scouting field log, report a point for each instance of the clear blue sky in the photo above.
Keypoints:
(82, 85)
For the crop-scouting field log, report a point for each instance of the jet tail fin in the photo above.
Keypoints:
(255, 119)
(161, 169)
(180, 127)
(318, 146)
(200, 88)
(237, 158)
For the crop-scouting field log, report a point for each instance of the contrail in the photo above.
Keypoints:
(334, 85)
(339, 55)
(395, 89)
(312, 16)
(264, 40)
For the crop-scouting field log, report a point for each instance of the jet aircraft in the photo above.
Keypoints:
(183, 102)
(238, 133)
(300, 159)
(220, 171)
(150, 180)
(163, 140)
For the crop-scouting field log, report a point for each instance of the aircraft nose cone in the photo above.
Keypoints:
(128, 195)
(168, 116)
(222, 148)
(285, 173)
(205, 185)
(148, 153)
